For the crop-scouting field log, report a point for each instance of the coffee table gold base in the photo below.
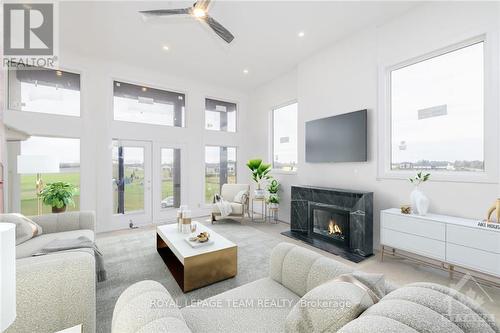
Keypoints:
(201, 270)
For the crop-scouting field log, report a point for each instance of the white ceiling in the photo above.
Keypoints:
(266, 41)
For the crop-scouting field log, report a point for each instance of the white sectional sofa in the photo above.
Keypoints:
(265, 305)
(56, 291)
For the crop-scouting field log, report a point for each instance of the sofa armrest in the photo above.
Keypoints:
(147, 307)
(68, 221)
(54, 292)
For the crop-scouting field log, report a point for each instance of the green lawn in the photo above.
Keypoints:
(28, 194)
(134, 190)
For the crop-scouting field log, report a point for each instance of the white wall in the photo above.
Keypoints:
(278, 92)
(344, 78)
(96, 129)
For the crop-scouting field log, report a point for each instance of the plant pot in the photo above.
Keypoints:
(56, 210)
(273, 205)
(419, 202)
(259, 193)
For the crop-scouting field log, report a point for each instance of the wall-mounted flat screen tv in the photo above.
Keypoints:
(340, 138)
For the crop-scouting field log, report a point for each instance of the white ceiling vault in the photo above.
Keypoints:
(266, 35)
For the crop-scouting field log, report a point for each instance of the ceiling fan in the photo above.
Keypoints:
(199, 11)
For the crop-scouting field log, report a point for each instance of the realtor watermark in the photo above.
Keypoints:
(30, 34)
(476, 293)
(253, 303)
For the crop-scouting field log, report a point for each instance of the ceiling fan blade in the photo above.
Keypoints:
(218, 28)
(166, 12)
(202, 4)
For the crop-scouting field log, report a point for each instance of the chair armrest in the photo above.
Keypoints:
(68, 221)
(54, 292)
(147, 307)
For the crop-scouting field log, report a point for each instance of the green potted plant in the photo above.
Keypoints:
(260, 171)
(273, 200)
(58, 195)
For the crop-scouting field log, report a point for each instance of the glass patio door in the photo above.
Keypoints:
(132, 181)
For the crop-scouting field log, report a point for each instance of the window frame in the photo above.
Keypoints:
(271, 141)
(51, 136)
(225, 100)
(490, 118)
(59, 68)
(159, 179)
(236, 148)
(152, 86)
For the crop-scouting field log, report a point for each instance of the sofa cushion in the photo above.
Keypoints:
(376, 324)
(25, 227)
(34, 245)
(424, 307)
(147, 307)
(259, 306)
(236, 208)
(328, 307)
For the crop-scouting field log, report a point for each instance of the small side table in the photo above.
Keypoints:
(263, 214)
(273, 215)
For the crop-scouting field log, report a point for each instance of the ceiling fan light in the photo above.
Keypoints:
(198, 12)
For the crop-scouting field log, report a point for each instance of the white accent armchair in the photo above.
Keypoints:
(228, 193)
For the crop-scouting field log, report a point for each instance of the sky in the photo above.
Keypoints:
(64, 149)
(456, 80)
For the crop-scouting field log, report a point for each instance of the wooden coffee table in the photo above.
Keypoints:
(191, 267)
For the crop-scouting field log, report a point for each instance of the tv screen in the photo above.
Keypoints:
(340, 138)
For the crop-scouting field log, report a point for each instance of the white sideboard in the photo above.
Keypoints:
(470, 244)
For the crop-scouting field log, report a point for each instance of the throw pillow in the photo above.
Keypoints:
(373, 282)
(25, 228)
(328, 307)
(240, 197)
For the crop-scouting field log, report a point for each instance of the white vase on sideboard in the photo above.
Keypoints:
(419, 201)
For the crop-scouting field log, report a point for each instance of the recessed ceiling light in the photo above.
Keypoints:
(58, 73)
(165, 48)
(144, 89)
(245, 71)
(301, 34)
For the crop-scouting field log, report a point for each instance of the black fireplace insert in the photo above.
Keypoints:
(329, 223)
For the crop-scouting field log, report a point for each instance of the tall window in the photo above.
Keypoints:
(285, 138)
(44, 91)
(67, 152)
(220, 168)
(220, 116)
(170, 178)
(128, 178)
(140, 104)
(437, 112)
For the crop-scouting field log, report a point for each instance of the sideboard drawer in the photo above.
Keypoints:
(419, 245)
(473, 237)
(413, 225)
(483, 261)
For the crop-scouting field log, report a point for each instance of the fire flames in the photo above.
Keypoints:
(334, 229)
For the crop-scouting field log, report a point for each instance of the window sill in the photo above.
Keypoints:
(436, 176)
(284, 172)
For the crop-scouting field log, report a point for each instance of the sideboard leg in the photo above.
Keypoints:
(393, 252)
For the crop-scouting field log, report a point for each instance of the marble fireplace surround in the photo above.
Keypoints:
(359, 204)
